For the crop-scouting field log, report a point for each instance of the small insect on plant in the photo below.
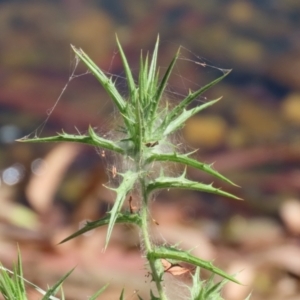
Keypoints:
(145, 143)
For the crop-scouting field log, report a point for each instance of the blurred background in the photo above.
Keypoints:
(48, 191)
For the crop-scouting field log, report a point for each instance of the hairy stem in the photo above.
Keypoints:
(155, 264)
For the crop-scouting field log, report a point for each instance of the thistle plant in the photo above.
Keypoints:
(144, 143)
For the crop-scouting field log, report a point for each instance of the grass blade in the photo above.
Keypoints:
(54, 289)
(122, 295)
(19, 277)
(94, 297)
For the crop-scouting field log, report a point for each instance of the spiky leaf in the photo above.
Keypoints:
(164, 182)
(184, 159)
(179, 255)
(177, 110)
(152, 70)
(129, 77)
(129, 179)
(106, 82)
(179, 121)
(206, 290)
(121, 218)
(196, 285)
(92, 139)
(142, 80)
(162, 86)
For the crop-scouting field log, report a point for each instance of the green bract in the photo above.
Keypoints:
(147, 125)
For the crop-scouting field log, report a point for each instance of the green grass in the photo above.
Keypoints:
(12, 285)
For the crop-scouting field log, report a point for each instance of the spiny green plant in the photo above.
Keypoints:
(147, 125)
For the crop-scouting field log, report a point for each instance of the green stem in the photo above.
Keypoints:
(155, 264)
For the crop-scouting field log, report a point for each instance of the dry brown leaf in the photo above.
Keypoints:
(174, 269)
(41, 188)
(290, 212)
